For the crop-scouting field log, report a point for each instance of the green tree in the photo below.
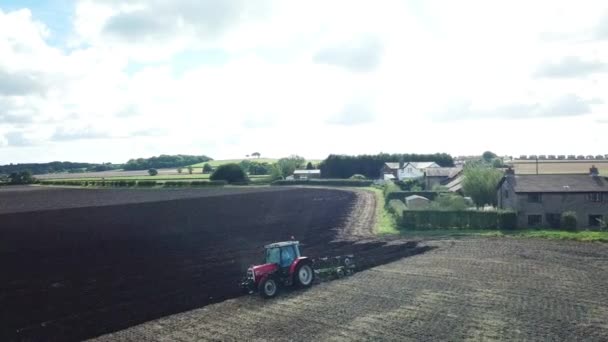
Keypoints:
(152, 172)
(498, 163)
(231, 173)
(488, 156)
(190, 169)
(309, 166)
(480, 184)
(276, 172)
(256, 168)
(179, 170)
(256, 154)
(23, 177)
(207, 168)
(289, 164)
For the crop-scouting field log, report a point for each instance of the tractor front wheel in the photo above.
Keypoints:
(304, 275)
(268, 288)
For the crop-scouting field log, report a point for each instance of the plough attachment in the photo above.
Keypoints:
(334, 267)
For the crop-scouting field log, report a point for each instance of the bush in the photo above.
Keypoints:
(449, 201)
(176, 183)
(146, 183)
(357, 176)
(396, 207)
(231, 173)
(507, 220)
(152, 172)
(325, 182)
(568, 220)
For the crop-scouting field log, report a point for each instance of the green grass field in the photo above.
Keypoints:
(216, 163)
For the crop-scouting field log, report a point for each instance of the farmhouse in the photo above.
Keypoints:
(306, 174)
(414, 170)
(539, 200)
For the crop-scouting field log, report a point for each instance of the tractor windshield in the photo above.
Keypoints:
(273, 255)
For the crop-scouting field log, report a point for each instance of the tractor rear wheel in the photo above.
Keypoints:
(304, 275)
(268, 288)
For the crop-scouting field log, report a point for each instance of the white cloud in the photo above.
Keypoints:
(570, 66)
(259, 73)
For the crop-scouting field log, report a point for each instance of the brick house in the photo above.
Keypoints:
(539, 200)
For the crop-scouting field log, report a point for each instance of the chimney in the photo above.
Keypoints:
(593, 171)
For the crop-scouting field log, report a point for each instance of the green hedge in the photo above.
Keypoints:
(467, 219)
(325, 182)
(194, 183)
(507, 220)
(146, 183)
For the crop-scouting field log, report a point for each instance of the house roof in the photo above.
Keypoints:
(392, 166)
(306, 172)
(442, 171)
(413, 197)
(558, 183)
(455, 184)
(422, 165)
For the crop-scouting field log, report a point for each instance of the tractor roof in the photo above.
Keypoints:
(281, 244)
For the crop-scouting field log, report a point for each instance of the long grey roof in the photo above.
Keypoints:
(442, 171)
(559, 183)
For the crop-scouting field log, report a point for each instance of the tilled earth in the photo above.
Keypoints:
(86, 267)
(472, 289)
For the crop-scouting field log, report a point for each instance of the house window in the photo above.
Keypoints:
(506, 193)
(409, 170)
(535, 198)
(595, 220)
(535, 220)
(595, 197)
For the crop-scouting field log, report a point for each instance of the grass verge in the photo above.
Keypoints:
(385, 222)
(584, 235)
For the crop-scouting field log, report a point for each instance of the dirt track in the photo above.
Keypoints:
(479, 289)
(78, 272)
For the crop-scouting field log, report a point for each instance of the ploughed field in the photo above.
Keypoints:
(78, 263)
(463, 290)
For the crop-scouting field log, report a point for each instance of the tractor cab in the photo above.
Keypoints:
(282, 254)
(283, 266)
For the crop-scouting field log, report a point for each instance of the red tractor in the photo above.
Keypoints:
(283, 266)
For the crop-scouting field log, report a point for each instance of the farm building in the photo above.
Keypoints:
(539, 200)
(440, 175)
(555, 166)
(389, 169)
(306, 174)
(416, 202)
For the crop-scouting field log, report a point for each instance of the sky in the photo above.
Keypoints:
(110, 80)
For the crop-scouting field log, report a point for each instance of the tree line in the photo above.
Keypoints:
(56, 166)
(343, 166)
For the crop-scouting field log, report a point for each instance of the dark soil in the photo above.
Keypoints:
(79, 272)
(498, 289)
